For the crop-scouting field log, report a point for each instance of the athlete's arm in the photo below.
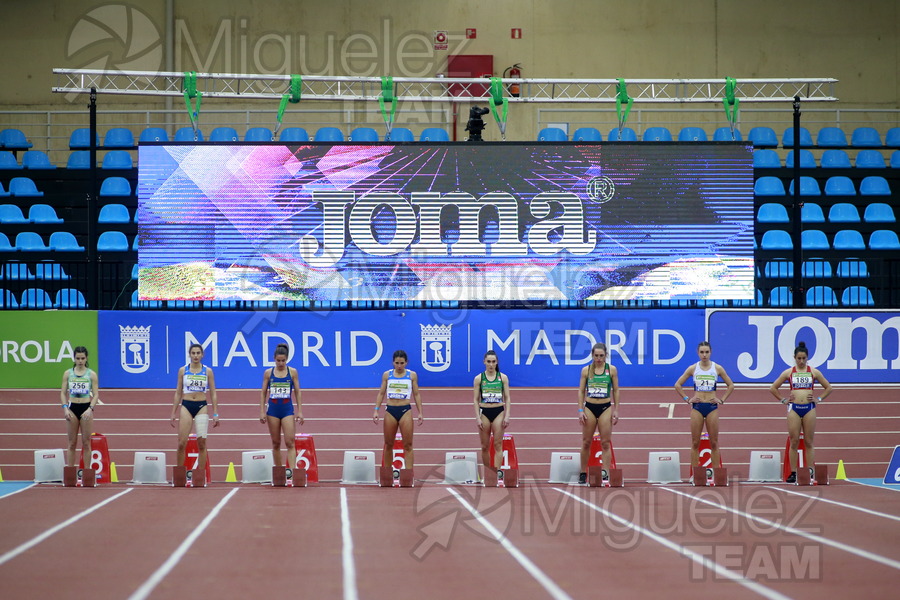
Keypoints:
(414, 378)
(826, 385)
(777, 384)
(614, 376)
(264, 395)
(295, 377)
(212, 395)
(681, 381)
(720, 370)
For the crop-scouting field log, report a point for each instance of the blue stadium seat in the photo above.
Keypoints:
(3, 192)
(874, 185)
(258, 134)
(857, 295)
(35, 298)
(766, 159)
(808, 186)
(587, 134)
(816, 268)
(11, 214)
(23, 186)
(865, 137)
(692, 134)
(400, 134)
(115, 187)
(14, 139)
(224, 134)
(626, 134)
(849, 239)
(364, 134)
(870, 159)
(879, 212)
(135, 244)
(187, 134)
(329, 134)
(831, 137)
(657, 134)
(779, 269)
(835, 159)
(50, 271)
(16, 271)
(8, 160)
(293, 134)
(763, 137)
(8, 299)
(80, 139)
(772, 212)
(118, 137)
(69, 298)
(811, 212)
(814, 239)
(781, 296)
(37, 159)
(724, 134)
(839, 185)
(63, 241)
(43, 214)
(434, 134)
(776, 239)
(112, 241)
(114, 213)
(117, 159)
(807, 160)
(895, 159)
(843, 212)
(5, 246)
(892, 138)
(552, 134)
(787, 139)
(154, 134)
(80, 159)
(852, 268)
(821, 295)
(29, 241)
(882, 239)
(768, 186)
(135, 303)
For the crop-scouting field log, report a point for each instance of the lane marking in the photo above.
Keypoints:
(683, 551)
(349, 567)
(37, 540)
(836, 503)
(548, 584)
(889, 562)
(147, 587)
(9, 485)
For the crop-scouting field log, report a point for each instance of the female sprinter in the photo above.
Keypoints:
(491, 410)
(399, 385)
(704, 401)
(279, 388)
(79, 394)
(801, 406)
(599, 383)
(195, 383)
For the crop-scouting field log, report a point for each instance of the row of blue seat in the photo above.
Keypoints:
(112, 187)
(43, 214)
(44, 270)
(64, 241)
(844, 240)
(36, 298)
(842, 212)
(839, 185)
(764, 158)
(821, 296)
(849, 268)
(80, 159)
(294, 134)
(827, 137)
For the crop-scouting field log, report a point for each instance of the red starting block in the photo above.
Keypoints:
(78, 477)
(490, 477)
(279, 476)
(192, 460)
(89, 478)
(386, 476)
(510, 478)
(285, 477)
(801, 458)
(70, 476)
(406, 478)
(595, 458)
(179, 476)
(198, 477)
(817, 475)
(821, 474)
(306, 459)
(100, 460)
(613, 477)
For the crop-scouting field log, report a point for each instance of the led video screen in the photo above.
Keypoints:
(445, 222)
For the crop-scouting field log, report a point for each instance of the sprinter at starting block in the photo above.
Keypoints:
(491, 394)
(598, 406)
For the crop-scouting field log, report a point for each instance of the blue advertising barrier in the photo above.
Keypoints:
(351, 349)
(847, 346)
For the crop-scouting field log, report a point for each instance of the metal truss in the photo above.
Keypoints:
(440, 89)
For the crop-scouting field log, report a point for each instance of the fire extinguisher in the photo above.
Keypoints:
(513, 72)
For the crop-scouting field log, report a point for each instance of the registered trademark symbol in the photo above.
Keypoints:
(601, 189)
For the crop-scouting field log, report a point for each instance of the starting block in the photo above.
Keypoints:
(78, 477)
(565, 467)
(614, 477)
(406, 478)
(460, 468)
(708, 476)
(359, 467)
(664, 467)
(179, 476)
(490, 478)
(817, 475)
(286, 477)
(256, 467)
(149, 467)
(49, 465)
(386, 476)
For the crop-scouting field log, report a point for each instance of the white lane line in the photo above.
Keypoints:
(350, 592)
(889, 562)
(836, 503)
(37, 540)
(147, 587)
(548, 584)
(701, 560)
